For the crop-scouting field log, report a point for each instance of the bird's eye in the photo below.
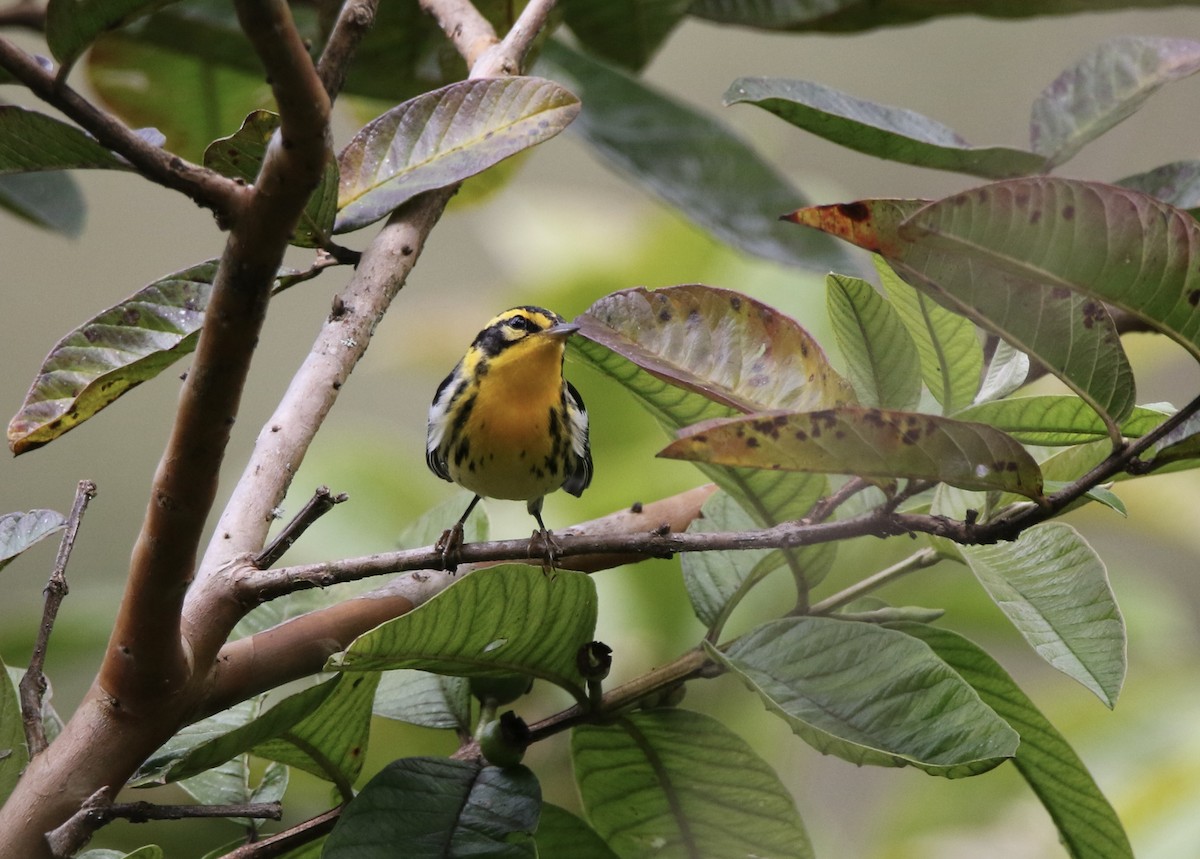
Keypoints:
(518, 322)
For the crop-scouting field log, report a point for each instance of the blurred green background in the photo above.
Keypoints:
(562, 234)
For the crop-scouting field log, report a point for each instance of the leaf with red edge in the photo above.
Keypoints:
(876, 443)
(1071, 333)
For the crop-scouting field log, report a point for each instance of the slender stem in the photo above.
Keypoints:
(916, 561)
(33, 684)
(354, 21)
(288, 840)
(321, 503)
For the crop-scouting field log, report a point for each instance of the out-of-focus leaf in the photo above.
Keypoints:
(846, 16)
(50, 200)
(867, 442)
(442, 137)
(71, 25)
(31, 141)
(1071, 334)
(14, 754)
(700, 789)
(420, 698)
(691, 353)
(562, 835)
(150, 851)
(1055, 420)
(240, 156)
(1006, 372)
(1087, 824)
(688, 160)
(1177, 183)
(882, 360)
(156, 769)
(887, 132)
(113, 352)
(433, 807)
(429, 527)
(863, 693)
(1112, 244)
(190, 98)
(1054, 588)
(229, 784)
(951, 357)
(19, 531)
(1107, 86)
(1179, 445)
(625, 32)
(510, 619)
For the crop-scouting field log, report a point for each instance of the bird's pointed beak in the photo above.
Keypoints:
(562, 330)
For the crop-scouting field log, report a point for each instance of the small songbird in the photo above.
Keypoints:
(506, 424)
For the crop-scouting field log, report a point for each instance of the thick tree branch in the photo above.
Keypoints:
(508, 57)
(206, 187)
(470, 33)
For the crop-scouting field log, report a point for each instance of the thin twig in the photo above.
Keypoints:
(33, 683)
(206, 187)
(508, 57)
(353, 23)
(916, 561)
(321, 503)
(288, 840)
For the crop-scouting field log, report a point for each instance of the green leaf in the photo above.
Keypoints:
(874, 443)
(509, 619)
(1087, 824)
(1110, 243)
(190, 98)
(626, 32)
(562, 835)
(1055, 420)
(51, 201)
(429, 527)
(157, 769)
(111, 353)
(229, 784)
(691, 353)
(240, 156)
(673, 783)
(14, 754)
(1054, 588)
(420, 698)
(442, 137)
(870, 696)
(1006, 372)
(1107, 86)
(887, 132)
(20, 531)
(717, 581)
(433, 808)
(951, 357)
(32, 141)
(1177, 183)
(689, 161)
(72, 25)
(150, 851)
(882, 359)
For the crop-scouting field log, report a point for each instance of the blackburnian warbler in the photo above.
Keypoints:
(506, 424)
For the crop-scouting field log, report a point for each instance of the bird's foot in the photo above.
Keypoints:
(542, 542)
(450, 545)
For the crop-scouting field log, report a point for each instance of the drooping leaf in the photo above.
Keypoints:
(193, 98)
(887, 132)
(1006, 372)
(1087, 824)
(510, 619)
(433, 808)
(14, 754)
(1054, 588)
(882, 359)
(673, 783)
(869, 695)
(562, 835)
(873, 443)
(625, 32)
(31, 141)
(50, 200)
(72, 25)
(1055, 420)
(1112, 244)
(157, 768)
(688, 160)
(113, 352)
(420, 698)
(1177, 183)
(19, 531)
(1107, 86)
(691, 353)
(948, 348)
(1071, 334)
(240, 156)
(442, 137)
